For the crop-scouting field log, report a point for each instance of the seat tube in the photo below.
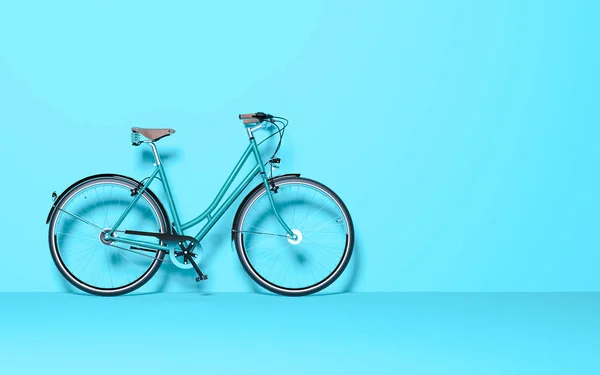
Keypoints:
(167, 188)
(269, 193)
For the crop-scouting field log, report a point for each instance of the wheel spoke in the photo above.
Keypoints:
(311, 215)
(123, 255)
(261, 244)
(263, 233)
(257, 228)
(324, 248)
(103, 210)
(89, 238)
(324, 225)
(81, 219)
(108, 266)
(294, 213)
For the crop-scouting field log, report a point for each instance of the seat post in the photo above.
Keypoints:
(155, 151)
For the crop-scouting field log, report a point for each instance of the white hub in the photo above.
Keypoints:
(298, 237)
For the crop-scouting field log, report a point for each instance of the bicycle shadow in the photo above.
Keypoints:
(147, 157)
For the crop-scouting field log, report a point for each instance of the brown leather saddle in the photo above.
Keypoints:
(153, 134)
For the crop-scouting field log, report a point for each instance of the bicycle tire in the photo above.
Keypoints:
(127, 182)
(238, 238)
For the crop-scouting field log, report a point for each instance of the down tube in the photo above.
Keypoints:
(236, 193)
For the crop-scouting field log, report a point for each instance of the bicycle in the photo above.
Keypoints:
(108, 233)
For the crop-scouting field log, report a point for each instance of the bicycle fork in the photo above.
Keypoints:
(269, 192)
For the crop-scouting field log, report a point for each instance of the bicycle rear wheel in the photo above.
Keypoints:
(294, 267)
(77, 244)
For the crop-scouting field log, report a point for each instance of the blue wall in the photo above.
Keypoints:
(463, 135)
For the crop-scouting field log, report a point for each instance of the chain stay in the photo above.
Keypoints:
(138, 253)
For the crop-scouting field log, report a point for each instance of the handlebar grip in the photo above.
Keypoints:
(251, 120)
(247, 115)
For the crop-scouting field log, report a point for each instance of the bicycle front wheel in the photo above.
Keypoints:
(301, 266)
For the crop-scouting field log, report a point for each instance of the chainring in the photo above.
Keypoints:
(178, 260)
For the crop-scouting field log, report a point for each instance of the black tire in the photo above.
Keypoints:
(238, 237)
(64, 198)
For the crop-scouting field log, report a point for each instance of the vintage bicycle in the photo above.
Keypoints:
(109, 234)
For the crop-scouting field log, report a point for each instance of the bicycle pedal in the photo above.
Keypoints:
(200, 278)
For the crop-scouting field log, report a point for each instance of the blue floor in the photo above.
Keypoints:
(364, 333)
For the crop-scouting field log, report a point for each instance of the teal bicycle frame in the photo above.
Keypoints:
(209, 214)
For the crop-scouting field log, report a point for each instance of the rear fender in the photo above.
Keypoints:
(62, 195)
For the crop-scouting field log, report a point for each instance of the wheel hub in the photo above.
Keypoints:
(103, 237)
(298, 237)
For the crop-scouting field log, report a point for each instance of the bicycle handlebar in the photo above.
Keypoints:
(251, 120)
(259, 116)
